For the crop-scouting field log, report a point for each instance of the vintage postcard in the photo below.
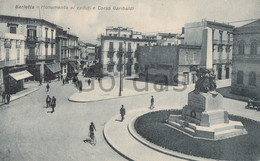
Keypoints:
(143, 80)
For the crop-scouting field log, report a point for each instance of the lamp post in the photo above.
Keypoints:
(120, 82)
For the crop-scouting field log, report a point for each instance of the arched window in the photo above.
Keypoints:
(253, 48)
(240, 77)
(241, 48)
(252, 79)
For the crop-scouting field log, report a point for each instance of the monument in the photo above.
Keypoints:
(205, 117)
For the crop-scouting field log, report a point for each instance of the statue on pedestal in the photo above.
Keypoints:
(206, 81)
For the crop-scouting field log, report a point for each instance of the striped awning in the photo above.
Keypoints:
(20, 75)
(54, 68)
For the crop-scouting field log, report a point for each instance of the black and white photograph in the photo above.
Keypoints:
(118, 80)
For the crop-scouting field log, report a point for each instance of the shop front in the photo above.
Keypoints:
(15, 81)
(52, 71)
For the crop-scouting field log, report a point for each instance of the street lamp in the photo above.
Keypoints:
(120, 82)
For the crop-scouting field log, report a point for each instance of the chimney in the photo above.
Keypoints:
(182, 30)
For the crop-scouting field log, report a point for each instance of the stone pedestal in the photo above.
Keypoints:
(204, 117)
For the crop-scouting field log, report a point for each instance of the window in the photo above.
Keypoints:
(52, 34)
(7, 54)
(110, 34)
(241, 48)
(220, 35)
(129, 47)
(120, 46)
(186, 58)
(18, 54)
(51, 49)
(46, 50)
(253, 48)
(115, 35)
(169, 44)
(194, 58)
(13, 29)
(252, 79)
(240, 77)
(111, 46)
(46, 33)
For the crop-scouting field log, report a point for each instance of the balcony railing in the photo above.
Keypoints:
(40, 57)
(48, 40)
(10, 62)
(222, 42)
(32, 39)
(53, 41)
(129, 50)
(111, 50)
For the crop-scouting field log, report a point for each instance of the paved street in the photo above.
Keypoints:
(28, 132)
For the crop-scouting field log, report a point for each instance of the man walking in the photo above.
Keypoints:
(3, 97)
(48, 101)
(8, 97)
(47, 87)
(152, 103)
(89, 82)
(53, 104)
(122, 112)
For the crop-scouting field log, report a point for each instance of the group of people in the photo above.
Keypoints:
(51, 102)
(6, 98)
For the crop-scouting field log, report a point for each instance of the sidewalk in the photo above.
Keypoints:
(29, 88)
(106, 90)
(122, 137)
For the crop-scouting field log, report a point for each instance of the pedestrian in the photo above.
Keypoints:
(48, 101)
(99, 80)
(3, 97)
(63, 81)
(89, 82)
(152, 103)
(40, 81)
(8, 97)
(53, 104)
(122, 112)
(47, 87)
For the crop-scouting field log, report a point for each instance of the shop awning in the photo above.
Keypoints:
(73, 65)
(21, 75)
(54, 68)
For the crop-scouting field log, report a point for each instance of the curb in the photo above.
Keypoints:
(25, 94)
(110, 142)
(139, 138)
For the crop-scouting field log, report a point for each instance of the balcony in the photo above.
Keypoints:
(53, 41)
(111, 50)
(47, 40)
(32, 39)
(40, 57)
(10, 62)
(8, 44)
(112, 63)
(129, 51)
(129, 54)
(2, 63)
(110, 54)
(222, 42)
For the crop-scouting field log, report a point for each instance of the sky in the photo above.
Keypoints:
(146, 16)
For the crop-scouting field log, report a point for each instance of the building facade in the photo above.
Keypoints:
(12, 50)
(246, 60)
(170, 65)
(67, 52)
(216, 41)
(118, 50)
(168, 39)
